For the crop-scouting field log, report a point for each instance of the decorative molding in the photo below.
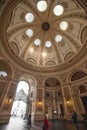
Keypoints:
(83, 4)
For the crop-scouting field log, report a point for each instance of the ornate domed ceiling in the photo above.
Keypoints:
(46, 33)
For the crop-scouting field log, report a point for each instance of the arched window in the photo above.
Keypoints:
(3, 73)
(78, 75)
(52, 82)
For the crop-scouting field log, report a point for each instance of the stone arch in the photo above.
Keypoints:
(32, 84)
(52, 82)
(26, 78)
(52, 86)
(6, 67)
(50, 63)
(77, 75)
(31, 81)
(32, 61)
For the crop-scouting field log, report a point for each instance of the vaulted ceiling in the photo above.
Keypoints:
(44, 35)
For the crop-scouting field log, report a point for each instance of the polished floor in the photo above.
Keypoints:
(19, 124)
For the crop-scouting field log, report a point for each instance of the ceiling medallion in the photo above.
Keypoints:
(45, 26)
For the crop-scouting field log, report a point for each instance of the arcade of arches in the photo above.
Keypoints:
(49, 52)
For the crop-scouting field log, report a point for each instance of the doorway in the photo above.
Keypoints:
(19, 107)
(62, 111)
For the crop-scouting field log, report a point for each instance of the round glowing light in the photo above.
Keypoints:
(55, 112)
(37, 42)
(31, 49)
(64, 25)
(44, 54)
(58, 38)
(42, 6)
(58, 10)
(29, 17)
(48, 44)
(29, 32)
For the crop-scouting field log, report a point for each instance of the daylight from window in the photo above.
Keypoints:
(20, 104)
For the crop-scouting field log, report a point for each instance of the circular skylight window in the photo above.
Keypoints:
(29, 32)
(3, 73)
(37, 42)
(42, 6)
(29, 17)
(64, 25)
(58, 10)
(58, 38)
(48, 44)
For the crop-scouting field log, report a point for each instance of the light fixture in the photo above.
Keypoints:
(68, 101)
(55, 111)
(39, 102)
(9, 99)
(31, 49)
(44, 54)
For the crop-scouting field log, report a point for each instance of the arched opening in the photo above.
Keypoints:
(24, 100)
(78, 75)
(5, 69)
(53, 98)
(19, 108)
